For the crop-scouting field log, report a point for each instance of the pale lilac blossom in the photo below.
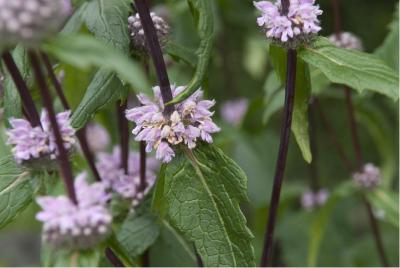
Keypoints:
(30, 21)
(233, 111)
(126, 185)
(312, 199)
(189, 123)
(346, 40)
(77, 226)
(369, 177)
(29, 143)
(300, 22)
(97, 137)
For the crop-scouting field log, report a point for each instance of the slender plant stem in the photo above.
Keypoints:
(113, 258)
(155, 53)
(283, 149)
(357, 146)
(27, 101)
(123, 127)
(65, 166)
(81, 133)
(333, 136)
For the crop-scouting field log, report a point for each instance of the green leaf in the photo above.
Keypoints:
(84, 51)
(171, 249)
(17, 189)
(108, 21)
(104, 89)
(389, 50)
(12, 100)
(202, 192)
(274, 96)
(355, 69)
(138, 233)
(321, 220)
(204, 18)
(303, 91)
(179, 52)
(387, 202)
(74, 23)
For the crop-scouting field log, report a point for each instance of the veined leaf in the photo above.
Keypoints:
(302, 95)
(84, 51)
(180, 52)
(202, 190)
(17, 189)
(355, 69)
(104, 89)
(387, 202)
(108, 21)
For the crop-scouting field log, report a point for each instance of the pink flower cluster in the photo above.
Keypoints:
(190, 121)
(36, 142)
(127, 185)
(311, 200)
(369, 177)
(233, 111)
(301, 20)
(77, 226)
(346, 40)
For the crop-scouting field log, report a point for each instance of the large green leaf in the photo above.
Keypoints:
(389, 50)
(17, 189)
(355, 69)
(179, 52)
(84, 51)
(274, 96)
(104, 89)
(171, 249)
(321, 220)
(204, 16)
(108, 21)
(302, 95)
(387, 202)
(138, 233)
(201, 194)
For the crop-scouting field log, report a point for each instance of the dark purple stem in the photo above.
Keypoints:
(357, 147)
(80, 134)
(65, 166)
(143, 183)
(156, 53)
(123, 127)
(285, 6)
(113, 258)
(283, 149)
(27, 101)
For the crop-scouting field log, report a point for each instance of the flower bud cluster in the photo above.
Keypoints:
(369, 177)
(311, 200)
(77, 226)
(346, 40)
(137, 33)
(190, 121)
(127, 185)
(29, 21)
(30, 143)
(291, 29)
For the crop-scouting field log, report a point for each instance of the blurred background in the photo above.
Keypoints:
(239, 69)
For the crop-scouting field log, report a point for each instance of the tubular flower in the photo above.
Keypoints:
(30, 143)
(233, 111)
(311, 200)
(76, 226)
(369, 177)
(346, 40)
(137, 33)
(127, 185)
(29, 21)
(189, 122)
(293, 28)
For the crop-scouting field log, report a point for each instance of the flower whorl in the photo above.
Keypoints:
(296, 27)
(29, 21)
(137, 33)
(369, 177)
(346, 40)
(77, 226)
(311, 200)
(190, 121)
